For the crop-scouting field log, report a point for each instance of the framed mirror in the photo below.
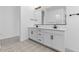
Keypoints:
(55, 15)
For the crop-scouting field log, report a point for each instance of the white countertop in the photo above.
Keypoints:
(59, 29)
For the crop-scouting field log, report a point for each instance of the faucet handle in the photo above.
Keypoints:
(55, 27)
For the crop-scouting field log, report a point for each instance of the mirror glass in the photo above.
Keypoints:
(55, 15)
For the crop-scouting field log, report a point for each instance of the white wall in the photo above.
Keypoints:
(28, 20)
(26, 15)
(72, 33)
(9, 21)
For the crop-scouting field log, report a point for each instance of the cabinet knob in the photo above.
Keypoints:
(51, 37)
(39, 30)
(31, 32)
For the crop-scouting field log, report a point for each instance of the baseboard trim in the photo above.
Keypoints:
(69, 50)
(9, 41)
(46, 46)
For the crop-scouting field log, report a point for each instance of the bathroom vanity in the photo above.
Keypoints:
(52, 38)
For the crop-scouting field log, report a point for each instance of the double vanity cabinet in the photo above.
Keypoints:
(52, 38)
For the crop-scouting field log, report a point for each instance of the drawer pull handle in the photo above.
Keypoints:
(39, 39)
(39, 34)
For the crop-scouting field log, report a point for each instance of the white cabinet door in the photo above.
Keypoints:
(36, 34)
(48, 37)
(32, 33)
(58, 40)
(54, 39)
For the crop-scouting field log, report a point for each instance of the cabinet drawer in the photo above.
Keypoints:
(41, 39)
(40, 33)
